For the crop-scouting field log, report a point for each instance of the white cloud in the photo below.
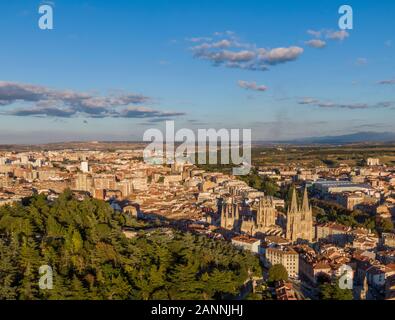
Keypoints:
(351, 106)
(314, 33)
(337, 35)
(281, 55)
(251, 86)
(316, 43)
(391, 81)
(232, 53)
(329, 34)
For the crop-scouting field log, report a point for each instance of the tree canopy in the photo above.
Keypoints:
(91, 258)
(264, 184)
(277, 272)
(332, 291)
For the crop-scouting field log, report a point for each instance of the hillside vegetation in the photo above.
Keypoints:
(91, 258)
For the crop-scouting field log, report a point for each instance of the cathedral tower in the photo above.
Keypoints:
(299, 219)
(230, 216)
(266, 213)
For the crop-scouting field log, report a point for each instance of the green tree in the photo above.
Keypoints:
(332, 291)
(264, 184)
(277, 272)
(386, 225)
(8, 272)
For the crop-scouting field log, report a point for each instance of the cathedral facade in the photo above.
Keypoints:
(253, 218)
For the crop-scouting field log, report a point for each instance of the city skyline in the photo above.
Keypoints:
(111, 71)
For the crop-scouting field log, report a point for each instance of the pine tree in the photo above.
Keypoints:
(8, 272)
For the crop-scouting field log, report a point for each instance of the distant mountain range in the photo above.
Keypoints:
(358, 137)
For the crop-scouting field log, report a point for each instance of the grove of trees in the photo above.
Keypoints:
(91, 258)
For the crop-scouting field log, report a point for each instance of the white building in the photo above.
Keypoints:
(286, 256)
(372, 161)
(84, 167)
(247, 243)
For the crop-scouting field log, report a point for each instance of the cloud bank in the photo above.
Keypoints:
(43, 101)
(225, 49)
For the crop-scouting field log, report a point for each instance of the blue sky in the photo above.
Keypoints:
(111, 70)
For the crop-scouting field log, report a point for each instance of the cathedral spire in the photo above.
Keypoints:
(236, 210)
(294, 201)
(260, 217)
(305, 203)
(223, 215)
